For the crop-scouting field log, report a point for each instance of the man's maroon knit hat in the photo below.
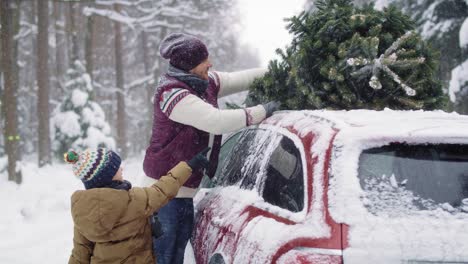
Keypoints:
(183, 51)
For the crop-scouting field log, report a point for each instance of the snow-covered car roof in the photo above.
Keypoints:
(365, 123)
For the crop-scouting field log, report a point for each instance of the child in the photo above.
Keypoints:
(112, 219)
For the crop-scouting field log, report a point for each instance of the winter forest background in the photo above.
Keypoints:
(78, 74)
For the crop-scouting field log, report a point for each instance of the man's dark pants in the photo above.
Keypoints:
(177, 224)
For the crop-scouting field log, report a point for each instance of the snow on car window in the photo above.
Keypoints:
(383, 196)
(400, 179)
(260, 150)
(248, 157)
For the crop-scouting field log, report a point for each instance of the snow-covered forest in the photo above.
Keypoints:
(82, 74)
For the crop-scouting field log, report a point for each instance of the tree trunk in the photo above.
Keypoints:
(60, 48)
(44, 151)
(2, 85)
(121, 115)
(149, 90)
(74, 35)
(9, 54)
(89, 45)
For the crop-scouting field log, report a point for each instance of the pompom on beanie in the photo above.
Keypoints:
(95, 168)
(183, 51)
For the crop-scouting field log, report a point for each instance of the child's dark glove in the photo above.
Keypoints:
(271, 107)
(199, 160)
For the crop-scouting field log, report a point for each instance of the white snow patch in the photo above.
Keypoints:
(3, 163)
(381, 4)
(459, 80)
(79, 98)
(67, 122)
(464, 34)
(433, 26)
(96, 138)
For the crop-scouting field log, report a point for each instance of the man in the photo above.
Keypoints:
(187, 120)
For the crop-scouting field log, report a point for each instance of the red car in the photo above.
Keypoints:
(355, 186)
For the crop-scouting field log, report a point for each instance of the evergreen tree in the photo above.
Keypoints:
(79, 122)
(347, 57)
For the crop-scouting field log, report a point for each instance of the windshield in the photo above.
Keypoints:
(415, 177)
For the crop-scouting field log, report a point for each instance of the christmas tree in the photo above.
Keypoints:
(78, 122)
(346, 57)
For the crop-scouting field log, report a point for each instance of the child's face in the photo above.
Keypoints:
(119, 175)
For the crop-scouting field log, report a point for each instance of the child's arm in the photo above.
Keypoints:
(151, 199)
(82, 249)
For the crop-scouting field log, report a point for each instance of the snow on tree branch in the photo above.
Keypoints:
(110, 14)
(120, 2)
(153, 17)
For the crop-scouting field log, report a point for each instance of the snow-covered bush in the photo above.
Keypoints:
(79, 122)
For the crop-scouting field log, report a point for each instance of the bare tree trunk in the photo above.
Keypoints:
(60, 48)
(74, 35)
(2, 69)
(89, 45)
(43, 83)
(68, 33)
(121, 115)
(149, 90)
(15, 14)
(9, 54)
(3, 64)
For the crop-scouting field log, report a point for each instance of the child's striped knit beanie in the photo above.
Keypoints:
(95, 168)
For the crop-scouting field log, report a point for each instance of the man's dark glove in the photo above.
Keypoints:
(199, 160)
(271, 107)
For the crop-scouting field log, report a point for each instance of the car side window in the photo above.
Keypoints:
(224, 155)
(272, 156)
(284, 182)
(262, 146)
(234, 168)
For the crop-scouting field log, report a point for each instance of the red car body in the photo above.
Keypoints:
(237, 221)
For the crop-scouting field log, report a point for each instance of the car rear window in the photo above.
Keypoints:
(415, 177)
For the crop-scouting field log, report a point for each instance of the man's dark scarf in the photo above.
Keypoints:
(192, 80)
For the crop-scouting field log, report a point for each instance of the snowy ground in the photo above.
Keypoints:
(35, 223)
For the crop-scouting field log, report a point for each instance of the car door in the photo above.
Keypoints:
(270, 222)
(260, 174)
(212, 202)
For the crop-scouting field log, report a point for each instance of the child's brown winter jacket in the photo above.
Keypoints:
(112, 226)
